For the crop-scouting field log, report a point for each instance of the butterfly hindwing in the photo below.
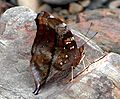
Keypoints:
(42, 50)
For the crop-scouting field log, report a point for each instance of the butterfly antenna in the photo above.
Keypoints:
(89, 28)
(72, 74)
(88, 31)
(90, 38)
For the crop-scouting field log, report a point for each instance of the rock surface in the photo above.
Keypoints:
(106, 23)
(100, 81)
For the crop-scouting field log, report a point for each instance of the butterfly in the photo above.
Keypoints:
(54, 45)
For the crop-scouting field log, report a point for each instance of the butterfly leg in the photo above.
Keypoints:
(82, 58)
(72, 73)
(88, 60)
(83, 64)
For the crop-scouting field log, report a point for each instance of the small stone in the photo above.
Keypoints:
(57, 9)
(84, 3)
(4, 6)
(14, 2)
(75, 8)
(32, 4)
(95, 4)
(58, 2)
(45, 7)
(114, 4)
(64, 12)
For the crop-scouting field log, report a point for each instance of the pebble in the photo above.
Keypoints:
(32, 4)
(57, 9)
(85, 3)
(75, 8)
(45, 7)
(14, 2)
(58, 2)
(95, 4)
(4, 6)
(63, 12)
(115, 4)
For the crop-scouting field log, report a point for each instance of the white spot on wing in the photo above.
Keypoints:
(72, 38)
(72, 47)
(67, 42)
(65, 62)
(64, 24)
(51, 16)
(66, 56)
(61, 63)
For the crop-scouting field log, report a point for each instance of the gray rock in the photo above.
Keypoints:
(58, 2)
(12, 12)
(13, 2)
(4, 6)
(97, 82)
(97, 4)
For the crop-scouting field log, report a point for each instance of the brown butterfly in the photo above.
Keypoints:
(54, 45)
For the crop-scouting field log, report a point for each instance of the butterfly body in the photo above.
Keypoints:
(54, 45)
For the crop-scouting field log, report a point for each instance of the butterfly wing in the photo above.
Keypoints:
(66, 52)
(54, 44)
(42, 50)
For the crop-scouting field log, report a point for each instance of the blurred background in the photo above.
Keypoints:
(67, 10)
